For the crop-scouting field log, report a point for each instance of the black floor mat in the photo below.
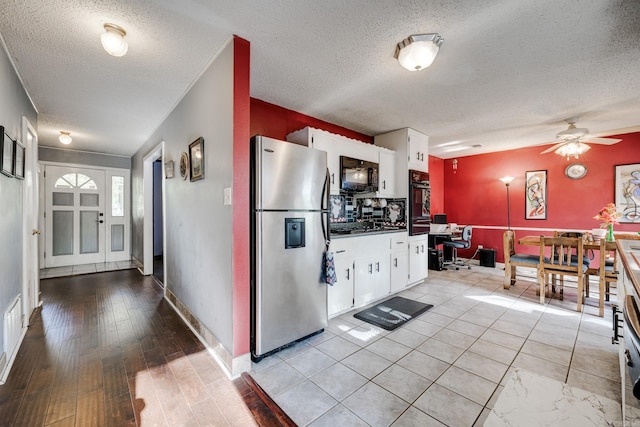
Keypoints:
(393, 312)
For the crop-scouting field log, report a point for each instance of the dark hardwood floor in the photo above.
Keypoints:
(107, 350)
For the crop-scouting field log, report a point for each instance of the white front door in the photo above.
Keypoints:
(74, 216)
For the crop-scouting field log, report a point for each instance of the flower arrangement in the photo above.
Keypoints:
(609, 215)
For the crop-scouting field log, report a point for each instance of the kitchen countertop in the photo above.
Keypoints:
(366, 233)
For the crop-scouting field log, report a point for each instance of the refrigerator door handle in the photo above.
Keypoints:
(326, 198)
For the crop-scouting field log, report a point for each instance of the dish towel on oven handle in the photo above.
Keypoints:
(329, 266)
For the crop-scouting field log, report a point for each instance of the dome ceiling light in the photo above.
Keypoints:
(418, 51)
(113, 40)
(65, 137)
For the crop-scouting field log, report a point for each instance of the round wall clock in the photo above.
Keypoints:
(576, 171)
(184, 165)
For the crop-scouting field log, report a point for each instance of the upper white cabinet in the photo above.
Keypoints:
(387, 174)
(418, 150)
(408, 144)
(324, 141)
(338, 145)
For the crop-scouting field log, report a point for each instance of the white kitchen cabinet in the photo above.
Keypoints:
(337, 145)
(327, 142)
(418, 258)
(386, 174)
(399, 262)
(418, 150)
(340, 295)
(412, 152)
(372, 279)
(368, 268)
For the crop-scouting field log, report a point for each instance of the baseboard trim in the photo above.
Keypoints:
(5, 365)
(232, 366)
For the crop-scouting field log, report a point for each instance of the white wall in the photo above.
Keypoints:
(198, 226)
(14, 103)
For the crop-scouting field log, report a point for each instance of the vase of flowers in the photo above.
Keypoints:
(609, 215)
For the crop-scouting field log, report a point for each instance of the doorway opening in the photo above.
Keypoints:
(149, 221)
(158, 236)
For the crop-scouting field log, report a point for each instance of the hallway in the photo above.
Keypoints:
(106, 349)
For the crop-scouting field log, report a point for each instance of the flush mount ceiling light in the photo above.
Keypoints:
(572, 149)
(418, 51)
(65, 137)
(113, 40)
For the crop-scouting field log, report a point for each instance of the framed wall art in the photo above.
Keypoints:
(196, 159)
(168, 169)
(184, 165)
(627, 192)
(536, 195)
(6, 160)
(18, 160)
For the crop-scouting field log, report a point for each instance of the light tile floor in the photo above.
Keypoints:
(72, 270)
(448, 366)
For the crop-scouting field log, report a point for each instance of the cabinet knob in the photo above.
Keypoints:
(333, 180)
(370, 268)
(348, 273)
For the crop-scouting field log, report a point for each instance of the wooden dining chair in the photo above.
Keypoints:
(513, 259)
(561, 263)
(607, 273)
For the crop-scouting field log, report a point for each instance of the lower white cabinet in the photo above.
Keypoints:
(340, 295)
(399, 262)
(418, 258)
(368, 268)
(372, 278)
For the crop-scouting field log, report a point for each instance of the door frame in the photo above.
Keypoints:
(108, 171)
(154, 154)
(30, 225)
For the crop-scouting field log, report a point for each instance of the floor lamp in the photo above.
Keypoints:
(506, 180)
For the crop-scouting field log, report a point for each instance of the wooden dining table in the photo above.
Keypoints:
(535, 241)
(588, 245)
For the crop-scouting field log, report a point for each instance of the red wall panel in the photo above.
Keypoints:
(436, 180)
(474, 195)
(241, 120)
(277, 122)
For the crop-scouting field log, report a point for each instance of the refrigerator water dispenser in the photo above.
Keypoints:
(294, 233)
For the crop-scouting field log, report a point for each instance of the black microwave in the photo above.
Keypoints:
(358, 175)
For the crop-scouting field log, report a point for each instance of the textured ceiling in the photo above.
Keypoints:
(507, 76)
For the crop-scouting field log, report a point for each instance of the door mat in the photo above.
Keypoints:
(393, 312)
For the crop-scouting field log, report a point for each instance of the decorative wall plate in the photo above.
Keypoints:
(576, 170)
(184, 165)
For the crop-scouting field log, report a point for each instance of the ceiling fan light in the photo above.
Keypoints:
(65, 137)
(113, 40)
(572, 149)
(418, 51)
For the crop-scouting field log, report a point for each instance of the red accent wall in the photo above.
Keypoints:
(474, 195)
(241, 135)
(277, 122)
(436, 181)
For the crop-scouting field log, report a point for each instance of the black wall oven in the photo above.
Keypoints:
(419, 203)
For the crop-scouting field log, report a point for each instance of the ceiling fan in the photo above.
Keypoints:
(571, 142)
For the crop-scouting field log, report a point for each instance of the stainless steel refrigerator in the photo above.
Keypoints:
(289, 230)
